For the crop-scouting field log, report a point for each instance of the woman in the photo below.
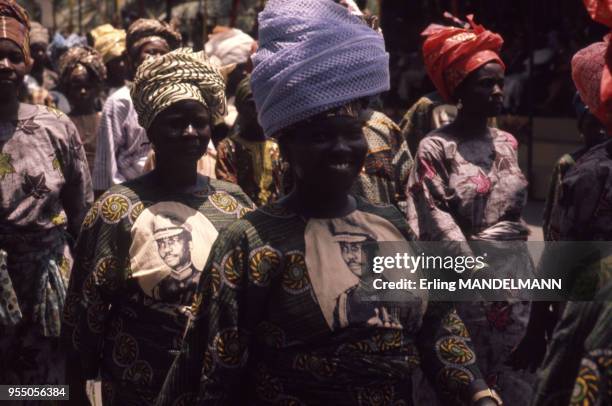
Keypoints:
(110, 43)
(576, 369)
(467, 186)
(274, 322)
(46, 191)
(82, 75)
(122, 144)
(144, 243)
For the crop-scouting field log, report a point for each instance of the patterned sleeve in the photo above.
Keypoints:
(225, 168)
(216, 346)
(402, 165)
(105, 164)
(428, 211)
(416, 123)
(448, 357)
(100, 270)
(77, 194)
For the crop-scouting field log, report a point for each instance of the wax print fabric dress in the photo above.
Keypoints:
(285, 316)
(473, 190)
(140, 255)
(249, 164)
(45, 192)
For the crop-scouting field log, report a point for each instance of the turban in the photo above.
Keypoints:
(108, 41)
(38, 34)
(82, 55)
(15, 26)
(178, 75)
(313, 56)
(592, 67)
(61, 44)
(451, 54)
(144, 30)
(229, 46)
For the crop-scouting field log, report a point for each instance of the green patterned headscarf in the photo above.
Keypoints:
(178, 75)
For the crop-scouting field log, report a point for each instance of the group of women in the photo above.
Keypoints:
(173, 288)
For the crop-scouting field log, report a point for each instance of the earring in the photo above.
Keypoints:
(459, 105)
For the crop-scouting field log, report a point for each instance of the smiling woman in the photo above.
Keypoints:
(144, 243)
(286, 314)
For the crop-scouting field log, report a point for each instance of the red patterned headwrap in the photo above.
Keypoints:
(15, 26)
(451, 53)
(592, 66)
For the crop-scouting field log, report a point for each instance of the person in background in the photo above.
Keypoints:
(466, 185)
(592, 133)
(46, 192)
(110, 43)
(247, 158)
(275, 320)
(122, 146)
(144, 243)
(81, 78)
(39, 42)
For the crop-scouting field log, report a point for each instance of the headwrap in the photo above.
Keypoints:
(38, 34)
(144, 30)
(229, 46)
(592, 67)
(452, 53)
(178, 75)
(61, 44)
(15, 26)
(313, 56)
(82, 55)
(108, 41)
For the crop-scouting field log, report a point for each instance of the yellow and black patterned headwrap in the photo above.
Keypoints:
(178, 75)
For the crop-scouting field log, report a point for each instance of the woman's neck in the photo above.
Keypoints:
(470, 124)
(9, 110)
(174, 177)
(311, 203)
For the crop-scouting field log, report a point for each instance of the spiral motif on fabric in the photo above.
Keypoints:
(116, 327)
(262, 264)
(454, 379)
(96, 317)
(271, 335)
(268, 388)
(114, 208)
(91, 216)
(453, 350)
(375, 396)
(224, 202)
(71, 310)
(243, 211)
(231, 265)
(318, 366)
(140, 373)
(90, 292)
(359, 347)
(207, 363)
(388, 340)
(230, 348)
(125, 350)
(454, 325)
(137, 209)
(295, 275)
(586, 388)
(106, 273)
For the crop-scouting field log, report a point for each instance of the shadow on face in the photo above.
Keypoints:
(180, 134)
(482, 91)
(13, 68)
(326, 155)
(83, 89)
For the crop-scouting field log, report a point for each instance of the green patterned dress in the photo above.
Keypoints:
(139, 258)
(282, 317)
(45, 191)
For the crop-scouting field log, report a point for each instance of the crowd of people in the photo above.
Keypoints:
(187, 227)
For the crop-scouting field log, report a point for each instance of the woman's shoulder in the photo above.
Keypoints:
(38, 116)
(220, 187)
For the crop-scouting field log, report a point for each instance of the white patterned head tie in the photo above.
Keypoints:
(313, 56)
(178, 75)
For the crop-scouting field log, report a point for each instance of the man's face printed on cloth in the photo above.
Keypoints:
(175, 250)
(351, 254)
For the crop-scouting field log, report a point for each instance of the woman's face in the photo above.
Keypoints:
(326, 155)
(82, 90)
(482, 92)
(155, 47)
(180, 134)
(12, 69)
